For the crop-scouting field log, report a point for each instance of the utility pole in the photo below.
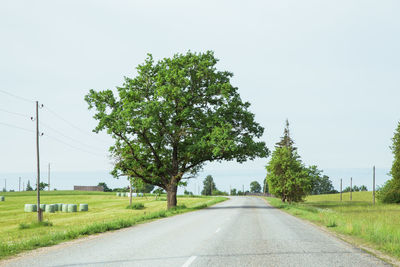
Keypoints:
(23, 186)
(351, 188)
(211, 187)
(340, 189)
(19, 185)
(49, 176)
(39, 211)
(230, 190)
(243, 189)
(5, 185)
(373, 186)
(265, 185)
(130, 192)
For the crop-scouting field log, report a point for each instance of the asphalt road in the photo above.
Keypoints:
(243, 231)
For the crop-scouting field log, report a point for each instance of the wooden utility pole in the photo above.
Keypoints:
(265, 185)
(130, 192)
(5, 185)
(230, 190)
(351, 188)
(19, 185)
(373, 186)
(243, 189)
(340, 189)
(39, 211)
(49, 176)
(23, 186)
(211, 187)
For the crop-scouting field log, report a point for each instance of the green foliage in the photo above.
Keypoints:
(219, 193)
(390, 192)
(320, 184)
(188, 193)
(136, 206)
(173, 117)
(233, 192)
(42, 186)
(255, 187)
(208, 185)
(158, 191)
(105, 187)
(355, 188)
(28, 186)
(22, 226)
(140, 186)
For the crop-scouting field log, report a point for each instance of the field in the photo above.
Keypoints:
(376, 226)
(18, 231)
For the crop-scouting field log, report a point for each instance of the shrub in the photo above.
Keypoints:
(136, 206)
(389, 192)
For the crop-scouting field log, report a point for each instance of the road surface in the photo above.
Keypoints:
(243, 231)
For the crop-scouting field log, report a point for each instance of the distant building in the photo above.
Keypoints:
(88, 188)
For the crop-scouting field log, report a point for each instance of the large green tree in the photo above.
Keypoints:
(208, 186)
(320, 184)
(173, 117)
(287, 176)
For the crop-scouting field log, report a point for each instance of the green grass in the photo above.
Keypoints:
(19, 230)
(377, 226)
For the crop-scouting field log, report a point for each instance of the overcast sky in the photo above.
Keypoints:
(330, 67)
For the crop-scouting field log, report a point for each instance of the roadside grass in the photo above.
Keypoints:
(20, 232)
(378, 226)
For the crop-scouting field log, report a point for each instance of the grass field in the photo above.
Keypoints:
(106, 212)
(377, 226)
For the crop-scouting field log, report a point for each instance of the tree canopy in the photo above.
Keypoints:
(320, 184)
(173, 117)
(287, 176)
(255, 187)
(208, 186)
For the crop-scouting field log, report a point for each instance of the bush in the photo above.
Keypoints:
(136, 206)
(389, 192)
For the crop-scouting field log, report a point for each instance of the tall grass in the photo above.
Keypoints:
(377, 225)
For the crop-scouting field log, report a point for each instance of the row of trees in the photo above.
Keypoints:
(289, 178)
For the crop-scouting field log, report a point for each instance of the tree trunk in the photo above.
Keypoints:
(171, 196)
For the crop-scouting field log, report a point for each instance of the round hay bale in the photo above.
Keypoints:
(43, 207)
(140, 194)
(83, 207)
(64, 207)
(50, 208)
(59, 206)
(72, 208)
(2, 198)
(30, 208)
(118, 194)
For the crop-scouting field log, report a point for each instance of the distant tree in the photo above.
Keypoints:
(390, 191)
(4, 190)
(42, 186)
(265, 186)
(255, 187)
(28, 186)
(188, 193)
(346, 189)
(158, 191)
(141, 187)
(105, 187)
(208, 185)
(240, 193)
(320, 184)
(356, 188)
(287, 177)
(233, 192)
(363, 188)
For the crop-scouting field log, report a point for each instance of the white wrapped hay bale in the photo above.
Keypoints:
(30, 208)
(118, 194)
(134, 194)
(83, 207)
(64, 207)
(58, 206)
(43, 207)
(140, 194)
(50, 208)
(2, 198)
(72, 208)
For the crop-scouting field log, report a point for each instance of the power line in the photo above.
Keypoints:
(70, 138)
(72, 146)
(16, 96)
(14, 113)
(68, 122)
(17, 127)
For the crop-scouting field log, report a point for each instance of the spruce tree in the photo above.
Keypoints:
(287, 177)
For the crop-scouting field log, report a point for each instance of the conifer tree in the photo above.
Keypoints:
(287, 177)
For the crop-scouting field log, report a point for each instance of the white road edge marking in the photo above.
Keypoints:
(189, 261)
(218, 230)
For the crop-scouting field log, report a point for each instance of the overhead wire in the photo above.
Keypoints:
(17, 127)
(16, 96)
(14, 113)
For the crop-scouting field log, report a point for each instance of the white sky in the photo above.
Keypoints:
(331, 67)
